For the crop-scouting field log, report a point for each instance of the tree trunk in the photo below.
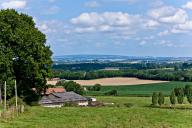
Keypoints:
(0, 95)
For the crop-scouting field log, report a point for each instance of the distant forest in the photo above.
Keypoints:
(153, 71)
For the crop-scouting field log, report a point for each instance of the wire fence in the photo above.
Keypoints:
(12, 112)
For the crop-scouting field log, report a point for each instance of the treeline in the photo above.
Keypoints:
(158, 74)
(97, 66)
(177, 96)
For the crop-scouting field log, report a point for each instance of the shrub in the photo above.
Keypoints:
(189, 95)
(187, 90)
(71, 86)
(161, 98)
(112, 93)
(180, 96)
(96, 87)
(154, 98)
(189, 98)
(173, 98)
(11, 102)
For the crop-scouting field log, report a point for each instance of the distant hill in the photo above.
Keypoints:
(116, 58)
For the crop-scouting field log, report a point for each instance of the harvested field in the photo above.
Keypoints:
(52, 82)
(116, 81)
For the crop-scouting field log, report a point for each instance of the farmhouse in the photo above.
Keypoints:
(58, 99)
(52, 90)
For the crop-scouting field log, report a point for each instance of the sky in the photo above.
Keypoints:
(112, 27)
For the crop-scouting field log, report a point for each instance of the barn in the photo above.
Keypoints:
(58, 99)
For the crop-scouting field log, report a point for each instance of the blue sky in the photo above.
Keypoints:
(118, 27)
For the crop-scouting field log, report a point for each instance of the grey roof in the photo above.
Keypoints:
(62, 97)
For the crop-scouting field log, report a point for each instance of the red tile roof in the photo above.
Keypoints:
(52, 90)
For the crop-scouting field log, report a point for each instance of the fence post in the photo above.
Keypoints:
(5, 96)
(16, 98)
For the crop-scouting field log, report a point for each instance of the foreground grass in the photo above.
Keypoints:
(140, 90)
(138, 116)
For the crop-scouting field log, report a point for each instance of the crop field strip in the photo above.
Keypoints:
(140, 90)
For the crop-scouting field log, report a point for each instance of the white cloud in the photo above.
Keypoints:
(16, 4)
(178, 29)
(83, 30)
(120, 24)
(180, 16)
(169, 14)
(92, 4)
(188, 5)
(151, 24)
(186, 26)
(50, 26)
(109, 18)
(166, 43)
(162, 11)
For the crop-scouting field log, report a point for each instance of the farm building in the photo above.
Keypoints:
(52, 90)
(58, 99)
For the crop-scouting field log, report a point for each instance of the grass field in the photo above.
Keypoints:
(140, 90)
(138, 116)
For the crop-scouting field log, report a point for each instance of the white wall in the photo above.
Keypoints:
(84, 103)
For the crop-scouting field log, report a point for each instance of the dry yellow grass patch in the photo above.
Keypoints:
(117, 81)
(52, 82)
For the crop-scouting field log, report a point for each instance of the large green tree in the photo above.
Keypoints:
(24, 55)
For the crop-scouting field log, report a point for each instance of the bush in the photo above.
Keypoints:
(173, 98)
(11, 102)
(161, 98)
(180, 96)
(71, 86)
(189, 98)
(187, 90)
(96, 87)
(111, 93)
(154, 98)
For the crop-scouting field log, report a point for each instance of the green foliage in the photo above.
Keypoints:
(187, 90)
(139, 90)
(71, 86)
(180, 95)
(188, 93)
(142, 71)
(23, 53)
(12, 101)
(173, 98)
(96, 87)
(155, 98)
(161, 99)
(138, 116)
(111, 93)
(189, 98)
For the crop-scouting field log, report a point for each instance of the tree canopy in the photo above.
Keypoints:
(71, 86)
(24, 55)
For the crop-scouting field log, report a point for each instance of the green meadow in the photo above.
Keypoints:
(122, 111)
(138, 115)
(140, 90)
